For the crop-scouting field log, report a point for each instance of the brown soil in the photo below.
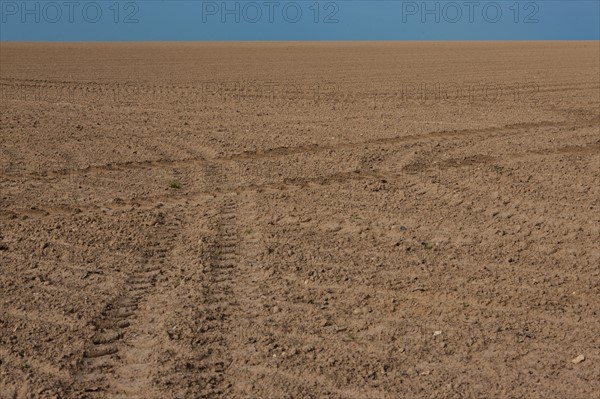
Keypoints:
(300, 220)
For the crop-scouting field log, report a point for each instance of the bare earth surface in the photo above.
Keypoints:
(300, 220)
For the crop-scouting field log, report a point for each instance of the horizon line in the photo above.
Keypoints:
(305, 41)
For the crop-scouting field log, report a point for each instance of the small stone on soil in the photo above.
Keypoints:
(578, 359)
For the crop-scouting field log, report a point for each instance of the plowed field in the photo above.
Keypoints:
(300, 220)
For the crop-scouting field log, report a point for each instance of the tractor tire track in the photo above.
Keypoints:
(215, 320)
(118, 361)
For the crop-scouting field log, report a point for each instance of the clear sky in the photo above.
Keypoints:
(197, 20)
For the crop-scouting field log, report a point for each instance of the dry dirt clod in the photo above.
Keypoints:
(578, 359)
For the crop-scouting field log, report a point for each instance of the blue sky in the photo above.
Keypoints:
(197, 20)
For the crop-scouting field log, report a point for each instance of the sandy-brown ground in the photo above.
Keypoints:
(300, 220)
